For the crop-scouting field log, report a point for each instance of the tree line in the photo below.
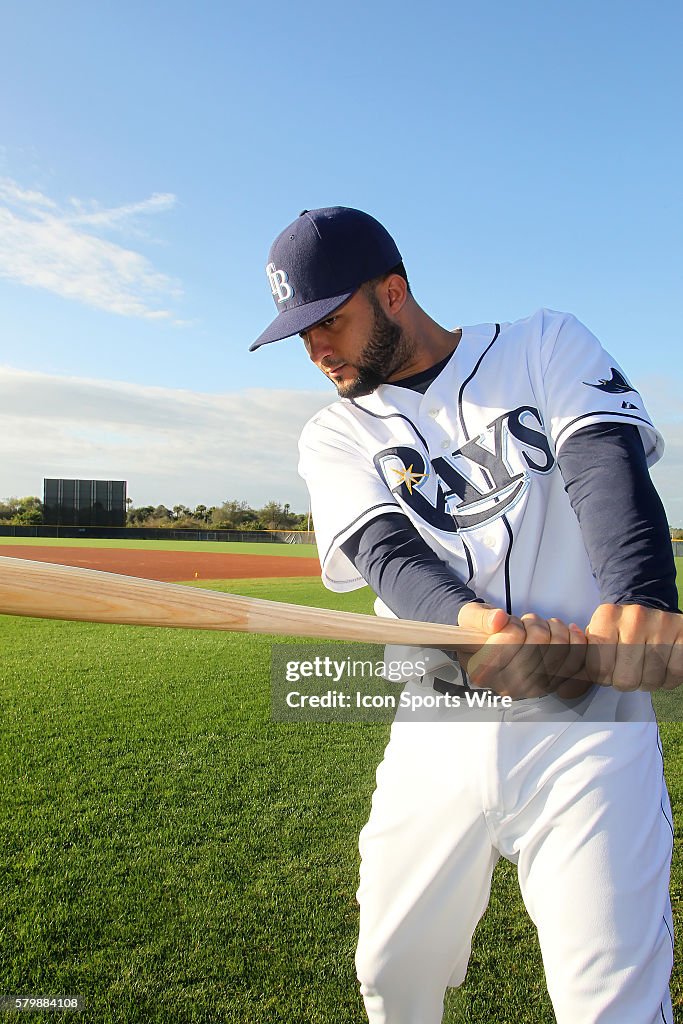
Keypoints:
(229, 515)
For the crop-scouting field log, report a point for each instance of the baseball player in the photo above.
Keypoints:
(496, 477)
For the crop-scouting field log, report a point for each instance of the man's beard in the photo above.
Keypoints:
(387, 350)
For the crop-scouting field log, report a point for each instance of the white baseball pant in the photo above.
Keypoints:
(580, 807)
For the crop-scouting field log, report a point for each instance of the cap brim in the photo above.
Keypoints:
(300, 318)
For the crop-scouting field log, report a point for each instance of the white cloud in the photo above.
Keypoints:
(61, 250)
(92, 215)
(171, 445)
(186, 446)
(11, 193)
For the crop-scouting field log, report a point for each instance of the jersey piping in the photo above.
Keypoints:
(390, 416)
(382, 504)
(471, 376)
(602, 412)
(511, 536)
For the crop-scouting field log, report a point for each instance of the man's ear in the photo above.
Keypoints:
(393, 293)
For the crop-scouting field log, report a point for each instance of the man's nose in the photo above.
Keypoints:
(318, 344)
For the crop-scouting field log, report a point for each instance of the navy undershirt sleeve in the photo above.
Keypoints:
(622, 520)
(404, 572)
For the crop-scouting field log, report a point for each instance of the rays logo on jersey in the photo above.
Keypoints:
(442, 490)
(616, 385)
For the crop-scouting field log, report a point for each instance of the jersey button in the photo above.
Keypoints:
(490, 540)
(433, 413)
(445, 444)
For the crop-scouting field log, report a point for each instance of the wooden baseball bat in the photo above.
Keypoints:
(44, 590)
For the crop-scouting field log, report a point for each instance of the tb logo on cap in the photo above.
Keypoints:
(279, 283)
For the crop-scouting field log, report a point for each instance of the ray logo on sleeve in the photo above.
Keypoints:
(616, 385)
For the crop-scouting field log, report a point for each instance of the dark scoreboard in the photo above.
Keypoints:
(84, 502)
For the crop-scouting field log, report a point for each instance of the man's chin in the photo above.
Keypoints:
(358, 386)
(349, 389)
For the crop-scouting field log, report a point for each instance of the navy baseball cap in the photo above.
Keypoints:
(318, 262)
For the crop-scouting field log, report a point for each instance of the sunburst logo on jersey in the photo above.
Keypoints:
(408, 477)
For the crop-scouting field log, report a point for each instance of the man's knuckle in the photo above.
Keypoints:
(626, 681)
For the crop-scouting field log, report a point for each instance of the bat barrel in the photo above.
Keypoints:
(45, 590)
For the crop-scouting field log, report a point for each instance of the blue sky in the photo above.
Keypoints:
(523, 155)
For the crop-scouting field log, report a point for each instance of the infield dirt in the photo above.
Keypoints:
(170, 566)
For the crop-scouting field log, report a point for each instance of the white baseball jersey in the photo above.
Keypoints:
(473, 462)
(577, 806)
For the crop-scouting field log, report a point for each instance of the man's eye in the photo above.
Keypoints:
(321, 323)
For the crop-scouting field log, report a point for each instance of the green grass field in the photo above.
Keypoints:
(227, 547)
(170, 854)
